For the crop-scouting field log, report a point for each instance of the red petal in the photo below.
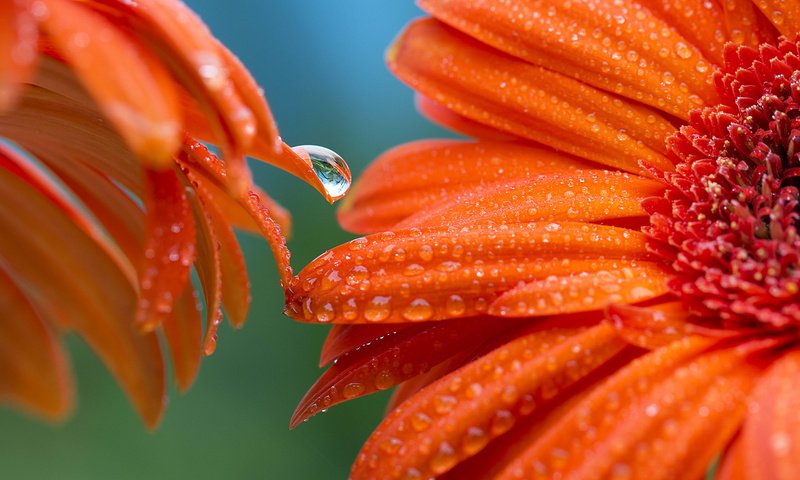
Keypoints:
(343, 338)
(182, 329)
(169, 248)
(391, 359)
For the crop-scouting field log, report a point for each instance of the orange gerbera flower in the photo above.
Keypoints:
(107, 199)
(604, 284)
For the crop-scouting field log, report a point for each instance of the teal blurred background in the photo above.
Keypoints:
(321, 65)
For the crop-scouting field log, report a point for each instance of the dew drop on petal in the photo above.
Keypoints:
(329, 167)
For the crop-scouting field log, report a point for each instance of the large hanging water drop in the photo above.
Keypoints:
(329, 167)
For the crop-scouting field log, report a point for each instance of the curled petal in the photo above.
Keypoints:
(182, 329)
(169, 249)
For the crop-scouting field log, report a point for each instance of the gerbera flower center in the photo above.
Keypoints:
(730, 215)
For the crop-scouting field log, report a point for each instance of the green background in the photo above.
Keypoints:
(321, 65)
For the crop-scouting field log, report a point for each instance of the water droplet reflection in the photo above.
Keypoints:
(329, 167)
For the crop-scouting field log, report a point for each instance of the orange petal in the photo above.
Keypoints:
(580, 292)
(79, 286)
(446, 118)
(526, 100)
(119, 214)
(617, 46)
(439, 273)
(785, 16)
(391, 359)
(34, 371)
(771, 436)
(418, 175)
(458, 415)
(702, 23)
(659, 325)
(209, 272)
(169, 247)
(581, 195)
(732, 467)
(410, 387)
(666, 415)
(197, 157)
(235, 282)
(746, 25)
(137, 94)
(183, 332)
(18, 44)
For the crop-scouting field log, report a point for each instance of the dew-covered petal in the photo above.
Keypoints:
(746, 25)
(196, 156)
(457, 416)
(439, 273)
(183, 332)
(209, 271)
(771, 435)
(659, 325)
(19, 35)
(617, 46)
(393, 358)
(169, 247)
(47, 251)
(783, 14)
(732, 462)
(527, 100)
(345, 337)
(419, 175)
(580, 196)
(447, 118)
(584, 291)
(665, 415)
(136, 93)
(34, 371)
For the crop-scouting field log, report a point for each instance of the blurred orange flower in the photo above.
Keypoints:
(604, 284)
(108, 200)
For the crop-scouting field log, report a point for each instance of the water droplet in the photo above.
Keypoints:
(391, 445)
(455, 305)
(444, 459)
(418, 310)
(421, 422)
(352, 390)
(377, 309)
(329, 167)
(475, 440)
(683, 50)
(502, 422)
(384, 380)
